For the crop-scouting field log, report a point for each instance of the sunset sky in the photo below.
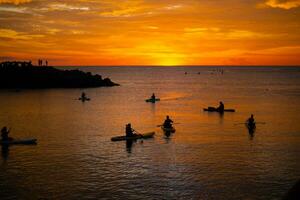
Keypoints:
(151, 32)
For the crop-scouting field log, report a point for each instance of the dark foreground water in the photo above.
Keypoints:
(209, 157)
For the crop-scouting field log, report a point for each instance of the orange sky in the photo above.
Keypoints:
(151, 32)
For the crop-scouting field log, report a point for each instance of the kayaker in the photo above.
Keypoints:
(129, 131)
(168, 122)
(83, 95)
(251, 121)
(153, 96)
(250, 124)
(4, 133)
(221, 107)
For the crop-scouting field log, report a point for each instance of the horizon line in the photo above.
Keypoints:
(176, 65)
(147, 65)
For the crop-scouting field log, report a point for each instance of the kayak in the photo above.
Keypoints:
(168, 130)
(84, 99)
(213, 109)
(138, 136)
(18, 141)
(152, 100)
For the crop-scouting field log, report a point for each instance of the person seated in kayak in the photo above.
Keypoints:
(83, 95)
(221, 107)
(129, 131)
(4, 133)
(251, 121)
(168, 122)
(153, 96)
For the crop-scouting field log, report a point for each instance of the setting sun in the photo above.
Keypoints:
(170, 60)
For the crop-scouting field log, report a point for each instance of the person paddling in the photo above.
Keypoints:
(83, 95)
(251, 122)
(129, 131)
(153, 97)
(4, 133)
(221, 107)
(168, 122)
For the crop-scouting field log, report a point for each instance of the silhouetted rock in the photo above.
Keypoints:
(25, 75)
(293, 193)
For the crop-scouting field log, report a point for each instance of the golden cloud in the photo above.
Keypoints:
(124, 12)
(16, 2)
(283, 4)
(218, 33)
(12, 34)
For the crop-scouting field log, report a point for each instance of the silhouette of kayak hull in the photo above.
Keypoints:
(169, 130)
(213, 109)
(139, 136)
(18, 141)
(152, 100)
(84, 99)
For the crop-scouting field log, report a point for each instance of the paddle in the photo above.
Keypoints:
(137, 132)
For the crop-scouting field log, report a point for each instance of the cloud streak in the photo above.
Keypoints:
(16, 2)
(14, 35)
(65, 7)
(289, 4)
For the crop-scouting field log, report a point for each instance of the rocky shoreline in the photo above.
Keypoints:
(22, 75)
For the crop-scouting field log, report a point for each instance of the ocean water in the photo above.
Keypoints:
(210, 156)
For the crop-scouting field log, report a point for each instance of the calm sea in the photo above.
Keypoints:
(209, 157)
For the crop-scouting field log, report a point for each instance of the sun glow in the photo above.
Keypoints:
(170, 60)
(151, 32)
(161, 53)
